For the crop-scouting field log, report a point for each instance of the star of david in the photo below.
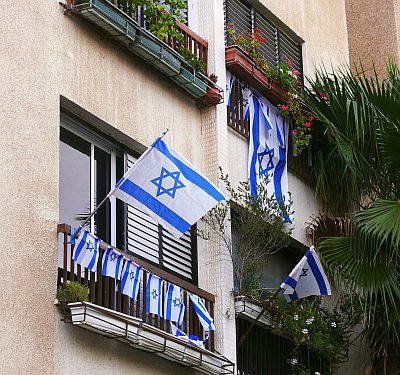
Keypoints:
(245, 102)
(168, 183)
(89, 246)
(113, 256)
(305, 270)
(177, 302)
(154, 294)
(132, 275)
(267, 153)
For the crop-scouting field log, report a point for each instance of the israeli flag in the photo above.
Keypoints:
(307, 279)
(268, 149)
(204, 317)
(154, 295)
(112, 263)
(131, 278)
(174, 306)
(247, 96)
(191, 339)
(86, 250)
(229, 84)
(168, 188)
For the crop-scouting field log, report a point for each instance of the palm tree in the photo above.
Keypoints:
(357, 174)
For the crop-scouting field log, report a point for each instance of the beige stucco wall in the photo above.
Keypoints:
(374, 32)
(43, 55)
(321, 24)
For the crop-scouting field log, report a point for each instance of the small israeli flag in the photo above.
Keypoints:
(192, 339)
(86, 250)
(112, 263)
(154, 295)
(307, 279)
(202, 313)
(131, 278)
(229, 84)
(168, 188)
(174, 306)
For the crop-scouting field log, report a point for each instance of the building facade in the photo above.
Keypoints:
(82, 99)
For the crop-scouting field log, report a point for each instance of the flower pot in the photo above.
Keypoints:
(213, 97)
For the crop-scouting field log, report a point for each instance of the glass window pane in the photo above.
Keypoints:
(74, 171)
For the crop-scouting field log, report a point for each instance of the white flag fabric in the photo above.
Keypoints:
(229, 84)
(154, 295)
(131, 278)
(168, 188)
(247, 102)
(86, 250)
(112, 263)
(268, 149)
(182, 335)
(174, 306)
(307, 279)
(204, 317)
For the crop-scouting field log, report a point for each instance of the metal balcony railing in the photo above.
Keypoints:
(106, 291)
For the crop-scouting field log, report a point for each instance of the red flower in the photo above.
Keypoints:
(294, 132)
(310, 118)
(307, 124)
(284, 107)
(323, 95)
(295, 72)
(290, 63)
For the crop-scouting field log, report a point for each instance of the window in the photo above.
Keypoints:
(89, 166)
(279, 47)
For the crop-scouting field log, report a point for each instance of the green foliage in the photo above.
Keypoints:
(260, 230)
(73, 292)
(324, 331)
(194, 61)
(159, 22)
(357, 173)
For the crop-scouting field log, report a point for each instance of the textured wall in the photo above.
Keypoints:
(45, 54)
(321, 24)
(374, 32)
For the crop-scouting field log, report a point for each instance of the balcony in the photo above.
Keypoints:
(128, 27)
(115, 315)
(238, 62)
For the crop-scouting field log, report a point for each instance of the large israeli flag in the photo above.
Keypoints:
(204, 317)
(154, 295)
(168, 188)
(112, 263)
(268, 149)
(307, 279)
(131, 278)
(191, 339)
(86, 250)
(174, 306)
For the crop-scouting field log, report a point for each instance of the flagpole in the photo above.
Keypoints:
(126, 175)
(265, 307)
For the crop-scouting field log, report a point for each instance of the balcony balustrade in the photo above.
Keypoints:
(106, 291)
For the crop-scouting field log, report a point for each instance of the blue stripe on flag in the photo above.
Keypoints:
(148, 292)
(125, 276)
(159, 296)
(80, 245)
(169, 302)
(293, 296)
(94, 257)
(105, 262)
(290, 281)
(154, 205)
(117, 267)
(189, 173)
(256, 142)
(317, 274)
(135, 283)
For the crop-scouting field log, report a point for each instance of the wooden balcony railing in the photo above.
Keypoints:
(106, 291)
(197, 45)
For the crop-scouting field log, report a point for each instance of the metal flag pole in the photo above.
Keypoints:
(123, 179)
(265, 307)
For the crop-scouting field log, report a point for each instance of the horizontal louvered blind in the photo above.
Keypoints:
(146, 239)
(278, 47)
(238, 12)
